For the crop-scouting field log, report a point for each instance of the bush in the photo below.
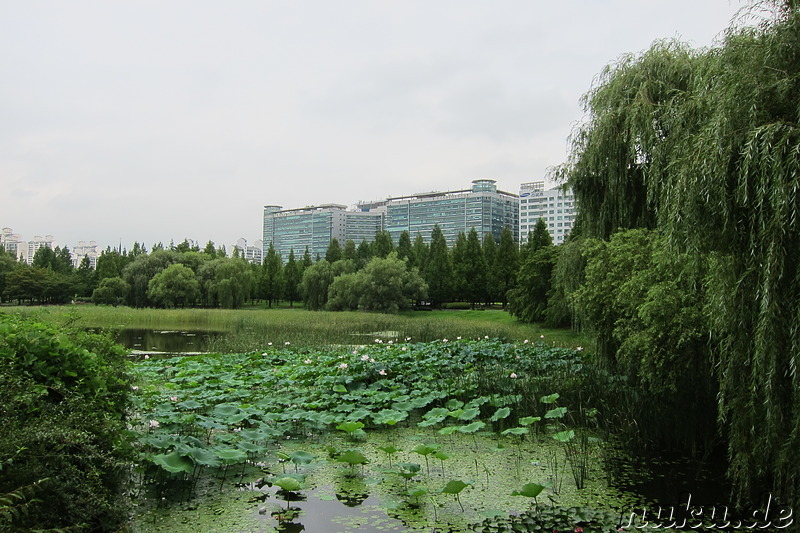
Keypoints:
(63, 399)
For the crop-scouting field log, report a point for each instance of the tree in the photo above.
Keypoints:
(385, 285)
(86, 278)
(438, 272)
(382, 246)
(109, 264)
(25, 283)
(111, 291)
(364, 254)
(703, 146)
(528, 299)
(334, 252)
(141, 271)
(272, 274)
(43, 257)
(175, 286)
(458, 260)
(314, 286)
(420, 253)
(350, 252)
(506, 264)
(7, 264)
(233, 282)
(405, 249)
(307, 262)
(489, 248)
(475, 270)
(292, 274)
(538, 238)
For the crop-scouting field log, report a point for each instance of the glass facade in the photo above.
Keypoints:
(482, 207)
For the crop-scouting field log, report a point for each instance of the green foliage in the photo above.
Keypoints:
(528, 300)
(555, 518)
(63, 401)
(384, 285)
(176, 286)
(314, 286)
(111, 291)
(334, 252)
(273, 280)
(506, 263)
(702, 144)
(438, 270)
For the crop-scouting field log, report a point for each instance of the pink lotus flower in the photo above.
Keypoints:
(307, 361)
(382, 372)
(154, 424)
(513, 376)
(343, 366)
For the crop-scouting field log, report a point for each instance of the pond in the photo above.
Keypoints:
(351, 437)
(160, 342)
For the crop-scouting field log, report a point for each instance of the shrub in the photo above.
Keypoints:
(63, 399)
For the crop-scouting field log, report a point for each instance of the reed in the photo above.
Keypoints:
(251, 329)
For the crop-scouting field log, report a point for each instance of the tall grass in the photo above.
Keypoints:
(252, 329)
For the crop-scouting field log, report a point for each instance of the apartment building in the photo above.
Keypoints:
(555, 206)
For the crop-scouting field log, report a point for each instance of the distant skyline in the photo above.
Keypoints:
(158, 121)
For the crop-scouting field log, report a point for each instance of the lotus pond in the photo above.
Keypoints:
(451, 435)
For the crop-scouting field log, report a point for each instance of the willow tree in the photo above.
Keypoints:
(705, 146)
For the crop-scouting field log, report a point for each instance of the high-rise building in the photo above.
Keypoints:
(85, 250)
(29, 249)
(314, 227)
(252, 253)
(11, 242)
(482, 207)
(556, 206)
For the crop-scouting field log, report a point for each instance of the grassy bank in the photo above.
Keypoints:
(252, 329)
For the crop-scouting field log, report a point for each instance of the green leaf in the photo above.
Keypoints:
(528, 420)
(425, 449)
(515, 431)
(288, 483)
(472, 428)
(454, 486)
(301, 457)
(469, 414)
(564, 436)
(550, 398)
(352, 457)
(174, 462)
(501, 413)
(557, 412)
(350, 426)
(530, 490)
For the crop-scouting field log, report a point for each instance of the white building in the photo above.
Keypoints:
(11, 242)
(85, 250)
(29, 249)
(252, 253)
(555, 206)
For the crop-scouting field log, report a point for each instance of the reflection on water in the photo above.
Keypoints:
(151, 341)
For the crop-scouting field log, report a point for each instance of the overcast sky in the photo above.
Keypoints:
(150, 121)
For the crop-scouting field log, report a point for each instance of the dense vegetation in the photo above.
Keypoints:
(378, 276)
(479, 406)
(684, 262)
(64, 398)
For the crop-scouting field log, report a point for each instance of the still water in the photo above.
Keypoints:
(149, 341)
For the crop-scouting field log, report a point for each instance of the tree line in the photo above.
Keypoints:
(374, 276)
